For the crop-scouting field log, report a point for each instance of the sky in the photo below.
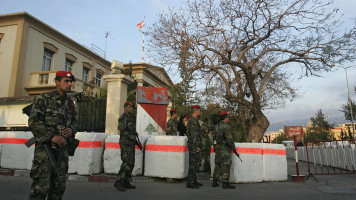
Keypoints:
(87, 22)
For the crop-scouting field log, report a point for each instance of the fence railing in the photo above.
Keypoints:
(327, 157)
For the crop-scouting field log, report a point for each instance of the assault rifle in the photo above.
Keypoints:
(138, 143)
(238, 155)
(28, 143)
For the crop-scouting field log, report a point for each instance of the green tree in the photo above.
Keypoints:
(280, 138)
(248, 45)
(320, 128)
(345, 108)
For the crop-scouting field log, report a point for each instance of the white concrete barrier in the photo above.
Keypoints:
(14, 154)
(166, 157)
(2, 134)
(274, 162)
(87, 159)
(112, 156)
(261, 162)
(248, 171)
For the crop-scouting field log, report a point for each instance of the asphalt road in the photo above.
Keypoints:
(329, 187)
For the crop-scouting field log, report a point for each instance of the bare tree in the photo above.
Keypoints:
(249, 47)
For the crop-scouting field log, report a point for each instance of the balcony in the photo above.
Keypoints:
(41, 82)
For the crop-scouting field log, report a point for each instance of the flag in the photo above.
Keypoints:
(141, 24)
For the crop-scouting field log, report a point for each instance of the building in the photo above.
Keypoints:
(31, 52)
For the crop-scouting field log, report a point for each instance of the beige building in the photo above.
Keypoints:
(31, 52)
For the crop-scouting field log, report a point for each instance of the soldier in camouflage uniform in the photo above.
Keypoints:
(52, 121)
(127, 128)
(195, 145)
(171, 124)
(223, 144)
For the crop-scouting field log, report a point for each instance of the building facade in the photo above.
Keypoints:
(31, 52)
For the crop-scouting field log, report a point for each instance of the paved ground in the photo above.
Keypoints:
(328, 187)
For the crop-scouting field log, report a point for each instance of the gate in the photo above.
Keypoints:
(330, 157)
(91, 115)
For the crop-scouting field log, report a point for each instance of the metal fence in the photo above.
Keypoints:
(91, 115)
(330, 157)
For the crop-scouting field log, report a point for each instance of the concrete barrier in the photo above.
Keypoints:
(274, 162)
(87, 159)
(112, 156)
(14, 154)
(261, 162)
(166, 157)
(2, 134)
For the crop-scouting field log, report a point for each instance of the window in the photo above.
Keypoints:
(68, 65)
(98, 79)
(1, 36)
(47, 60)
(85, 74)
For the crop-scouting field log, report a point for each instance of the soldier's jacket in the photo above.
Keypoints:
(223, 139)
(50, 114)
(194, 133)
(171, 127)
(127, 128)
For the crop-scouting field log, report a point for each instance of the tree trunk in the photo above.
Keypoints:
(258, 128)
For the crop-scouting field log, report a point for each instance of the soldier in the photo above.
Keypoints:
(53, 122)
(223, 144)
(195, 144)
(127, 128)
(171, 124)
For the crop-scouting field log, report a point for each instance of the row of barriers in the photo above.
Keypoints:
(326, 157)
(163, 156)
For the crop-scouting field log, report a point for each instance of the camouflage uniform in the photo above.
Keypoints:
(50, 114)
(127, 127)
(171, 127)
(223, 145)
(195, 141)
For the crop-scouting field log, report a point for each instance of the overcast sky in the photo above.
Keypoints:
(87, 21)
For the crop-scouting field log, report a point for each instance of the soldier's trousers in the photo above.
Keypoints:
(45, 180)
(128, 162)
(194, 161)
(222, 165)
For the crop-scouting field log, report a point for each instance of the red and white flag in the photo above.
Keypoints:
(141, 24)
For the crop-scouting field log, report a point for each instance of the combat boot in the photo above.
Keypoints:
(192, 185)
(227, 185)
(215, 183)
(128, 185)
(119, 185)
(198, 183)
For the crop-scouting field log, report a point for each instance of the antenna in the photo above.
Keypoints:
(106, 42)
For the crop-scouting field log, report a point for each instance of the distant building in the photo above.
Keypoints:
(342, 127)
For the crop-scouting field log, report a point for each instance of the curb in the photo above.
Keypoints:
(100, 177)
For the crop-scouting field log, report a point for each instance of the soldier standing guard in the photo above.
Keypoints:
(171, 124)
(223, 144)
(53, 122)
(195, 144)
(127, 128)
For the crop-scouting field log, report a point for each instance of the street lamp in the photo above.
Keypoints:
(349, 98)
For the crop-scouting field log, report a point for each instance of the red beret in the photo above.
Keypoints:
(129, 103)
(195, 106)
(65, 74)
(223, 113)
(188, 117)
(173, 109)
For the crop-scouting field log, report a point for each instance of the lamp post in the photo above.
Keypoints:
(349, 99)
